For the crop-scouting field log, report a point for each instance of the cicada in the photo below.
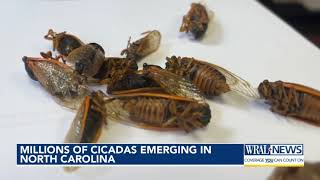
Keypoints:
(60, 80)
(158, 110)
(155, 78)
(62, 42)
(88, 123)
(310, 171)
(87, 58)
(290, 99)
(196, 21)
(144, 46)
(210, 79)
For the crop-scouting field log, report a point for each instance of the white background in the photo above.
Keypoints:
(243, 37)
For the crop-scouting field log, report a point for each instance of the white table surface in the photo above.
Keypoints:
(244, 38)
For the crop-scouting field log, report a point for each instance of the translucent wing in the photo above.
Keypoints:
(174, 84)
(302, 88)
(87, 124)
(236, 83)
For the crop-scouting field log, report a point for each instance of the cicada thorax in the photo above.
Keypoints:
(143, 47)
(160, 112)
(294, 100)
(130, 81)
(58, 79)
(62, 42)
(87, 125)
(196, 21)
(114, 68)
(207, 79)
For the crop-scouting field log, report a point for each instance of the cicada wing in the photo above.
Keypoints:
(236, 83)
(175, 84)
(302, 88)
(149, 43)
(87, 124)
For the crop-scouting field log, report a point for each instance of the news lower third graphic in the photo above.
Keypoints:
(284, 155)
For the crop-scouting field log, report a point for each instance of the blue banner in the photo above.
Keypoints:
(130, 154)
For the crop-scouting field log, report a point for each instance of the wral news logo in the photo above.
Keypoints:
(284, 155)
(273, 149)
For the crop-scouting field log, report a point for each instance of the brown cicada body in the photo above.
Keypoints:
(114, 68)
(210, 79)
(87, 58)
(158, 110)
(293, 100)
(144, 46)
(154, 78)
(62, 42)
(58, 79)
(196, 21)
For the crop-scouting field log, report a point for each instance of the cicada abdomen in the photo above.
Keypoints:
(293, 100)
(159, 111)
(210, 79)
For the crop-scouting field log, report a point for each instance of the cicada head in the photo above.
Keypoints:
(205, 112)
(173, 64)
(265, 89)
(62, 42)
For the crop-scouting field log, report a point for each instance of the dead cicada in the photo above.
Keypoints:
(210, 79)
(62, 42)
(58, 79)
(196, 21)
(156, 79)
(144, 46)
(87, 58)
(158, 110)
(293, 100)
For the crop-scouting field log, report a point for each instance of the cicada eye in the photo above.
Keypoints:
(79, 67)
(97, 46)
(145, 65)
